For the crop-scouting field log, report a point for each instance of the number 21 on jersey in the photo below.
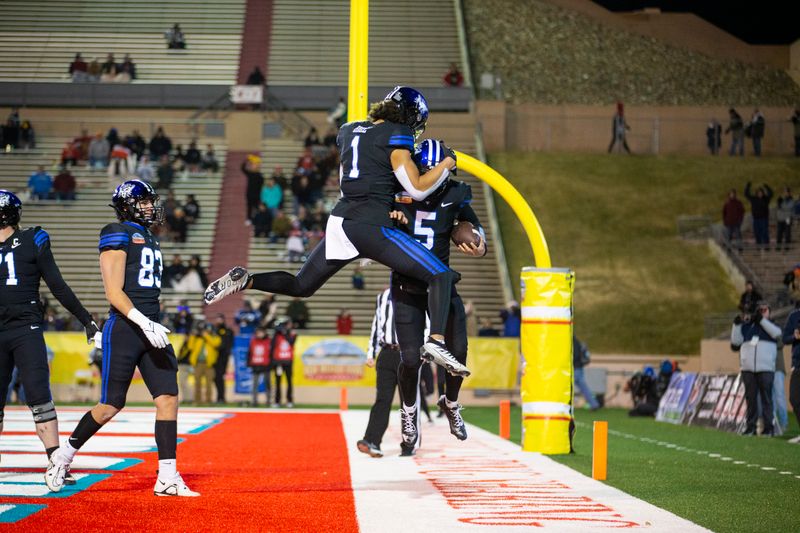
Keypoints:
(12, 271)
(151, 266)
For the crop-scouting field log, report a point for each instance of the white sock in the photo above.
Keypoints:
(67, 451)
(167, 469)
(449, 404)
(410, 409)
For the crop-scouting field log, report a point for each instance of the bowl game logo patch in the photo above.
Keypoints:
(137, 238)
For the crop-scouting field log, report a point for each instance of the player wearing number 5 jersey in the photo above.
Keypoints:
(375, 163)
(25, 259)
(131, 265)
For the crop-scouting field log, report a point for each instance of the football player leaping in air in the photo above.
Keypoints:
(131, 265)
(25, 259)
(375, 156)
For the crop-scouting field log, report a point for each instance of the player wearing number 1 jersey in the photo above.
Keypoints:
(131, 265)
(26, 259)
(375, 162)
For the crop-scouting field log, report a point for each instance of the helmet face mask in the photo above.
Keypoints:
(413, 107)
(138, 202)
(10, 209)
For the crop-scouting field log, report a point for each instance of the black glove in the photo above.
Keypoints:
(449, 152)
(756, 317)
(737, 320)
(91, 330)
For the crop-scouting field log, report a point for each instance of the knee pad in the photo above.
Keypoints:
(44, 412)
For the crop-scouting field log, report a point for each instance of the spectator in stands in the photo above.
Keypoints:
(179, 226)
(330, 138)
(487, 329)
(295, 247)
(11, 129)
(732, 217)
(453, 77)
(784, 214)
(358, 279)
(338, 114)
(791, 337)
(113, 138)
(194, 278)
(344, 322)
(78, 68)
(581, 358)
(262, 221)
(312, 138)
(251, 168)
(64, 185)
(210, 162)
(99, 149)
(301, 189)
(306, 161)
(193, 157)
(70, 154)
(82, 141)
(191, 208)
(40, 184)
(755, 337)
(109, 66)
(512, 319)
(27, 135)
(135, 143)
(272, 196)
(247, 318)
(759, 208)
(120, 165)
(298, 312)
(755, 130)
(281, 225)
(749, 298)
(795, 120)
(282, 352)
(736, 129)
(145, 170)
(619, 128)
(714, 136)
(268, 309)
(179, 159)
(165, 173)
(128, 68)
(256, 77)
(182, 322)
(94, 70)
(175, 38)
(160, 145)
(173, 272)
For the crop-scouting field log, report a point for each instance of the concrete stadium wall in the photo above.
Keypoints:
(654, 129)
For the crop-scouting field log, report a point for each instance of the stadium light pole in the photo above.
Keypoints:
(546, 333)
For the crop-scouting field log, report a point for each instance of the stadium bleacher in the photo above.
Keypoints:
(41, 38)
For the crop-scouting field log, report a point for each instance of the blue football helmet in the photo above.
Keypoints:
(127, 200)
(428, 154)
(413, 107)
(10, 209)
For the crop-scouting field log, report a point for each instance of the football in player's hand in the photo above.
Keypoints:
(463, 234)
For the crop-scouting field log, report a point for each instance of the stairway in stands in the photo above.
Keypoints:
(74, 227)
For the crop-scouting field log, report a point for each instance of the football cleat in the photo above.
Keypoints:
(407, 451)
(57, 470)
(434, 351)
(173, 487)
(234, 281)
(457, 426)
(373, 450)
(68, 478)
(408, 422)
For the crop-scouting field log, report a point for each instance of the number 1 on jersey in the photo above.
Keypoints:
(354, 165)
(12, 271)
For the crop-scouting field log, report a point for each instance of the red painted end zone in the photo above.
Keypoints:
(256, 472)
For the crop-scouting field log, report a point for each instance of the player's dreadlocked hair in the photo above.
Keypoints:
(386, 110)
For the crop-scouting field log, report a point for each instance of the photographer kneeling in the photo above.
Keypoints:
(755, 337)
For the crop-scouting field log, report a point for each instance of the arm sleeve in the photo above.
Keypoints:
(373, 334)
(772, 330)
(736, 336)
(402, 177)
(113, 237)
(52, 276)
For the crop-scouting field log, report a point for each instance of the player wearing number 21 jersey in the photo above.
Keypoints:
(131, 264)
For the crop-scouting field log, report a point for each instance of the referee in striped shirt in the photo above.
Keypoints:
(383, 341)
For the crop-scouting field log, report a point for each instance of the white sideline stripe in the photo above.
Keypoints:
(97, 444)
(699, 452)
(31, 477)
(65, 427)
(39, 460)
(546, 408)
(546, 313)
(537, 488)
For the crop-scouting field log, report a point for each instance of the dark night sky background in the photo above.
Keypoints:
(756, 22)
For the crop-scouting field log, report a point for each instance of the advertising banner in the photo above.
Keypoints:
(676, 397)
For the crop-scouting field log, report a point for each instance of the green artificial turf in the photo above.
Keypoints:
(716, 494)
(613, 220)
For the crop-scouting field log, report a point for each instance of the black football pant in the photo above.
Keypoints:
(388, 246)
(219, 375)
(385, 383)
(755, 384)
(25, 348)
(409, 320)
